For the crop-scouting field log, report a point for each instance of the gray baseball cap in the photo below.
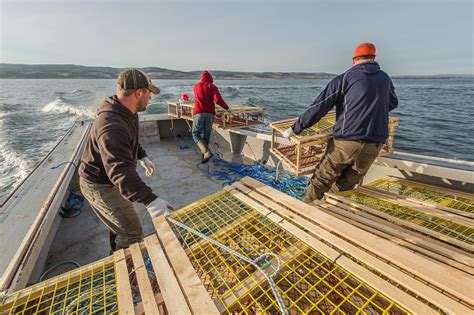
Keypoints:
(132, 79)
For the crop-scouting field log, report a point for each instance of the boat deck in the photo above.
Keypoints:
(178, 179)
(400, 245)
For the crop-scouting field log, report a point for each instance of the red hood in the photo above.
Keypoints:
(206, 77)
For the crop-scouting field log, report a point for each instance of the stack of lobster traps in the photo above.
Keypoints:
(250, 249)
(238, 116)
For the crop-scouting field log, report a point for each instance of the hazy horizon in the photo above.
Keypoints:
(211, 70)
(418, 37)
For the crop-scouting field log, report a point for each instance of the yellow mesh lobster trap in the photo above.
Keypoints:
(459, 234)
(91, 289)
(87, 290)
(308, 281)
(427, 193)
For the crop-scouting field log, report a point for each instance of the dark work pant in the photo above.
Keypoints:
(342, 167)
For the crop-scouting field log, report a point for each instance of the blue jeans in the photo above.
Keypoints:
(202, 127)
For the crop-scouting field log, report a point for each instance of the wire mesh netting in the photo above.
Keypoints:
(322, 127)
(431, 222)
(429, 194)
(308, 281)
(88, 290)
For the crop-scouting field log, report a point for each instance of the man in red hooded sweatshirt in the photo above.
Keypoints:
(206, 95)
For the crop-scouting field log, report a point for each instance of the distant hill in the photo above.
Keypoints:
(435, 76)
(22, 71)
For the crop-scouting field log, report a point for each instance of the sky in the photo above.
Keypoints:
(412, 37)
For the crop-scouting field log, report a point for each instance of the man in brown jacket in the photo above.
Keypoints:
(108, 176)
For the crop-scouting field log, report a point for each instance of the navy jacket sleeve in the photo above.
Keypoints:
(330, 96)
(393, 98)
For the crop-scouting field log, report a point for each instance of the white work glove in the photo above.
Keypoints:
(148, 165)
(159, 207)
(288, 133)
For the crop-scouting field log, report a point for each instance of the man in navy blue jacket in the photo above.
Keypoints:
(363, 96)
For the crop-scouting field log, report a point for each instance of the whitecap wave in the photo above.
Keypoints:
(13, 167)
(60, 106)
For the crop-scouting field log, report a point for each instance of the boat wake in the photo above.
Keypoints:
(11, 160)
(63, 107)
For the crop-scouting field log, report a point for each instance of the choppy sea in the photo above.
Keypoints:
(436, 115)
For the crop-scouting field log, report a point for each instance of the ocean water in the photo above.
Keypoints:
(436, 115)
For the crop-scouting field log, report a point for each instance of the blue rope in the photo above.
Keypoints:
(230, 172)
(183, 146)
(73, 205)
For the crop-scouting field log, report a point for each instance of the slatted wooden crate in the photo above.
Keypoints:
(326, 266)
(174, 109)
(302, 153)
(448, 200)
(238, 117)
(432, 221)
(136, 280)
(446, 227)
(401, 267)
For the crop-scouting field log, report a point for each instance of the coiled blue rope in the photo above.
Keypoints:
(73, 205)
(230, 172)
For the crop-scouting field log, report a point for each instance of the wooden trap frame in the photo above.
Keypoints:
(301, 153)
(432, 221)
(238, 116)
(326, 266)
(174, 109)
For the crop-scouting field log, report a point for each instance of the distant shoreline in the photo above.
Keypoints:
(23, 71)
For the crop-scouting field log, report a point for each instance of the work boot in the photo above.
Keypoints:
(312, 194)
(206, 153)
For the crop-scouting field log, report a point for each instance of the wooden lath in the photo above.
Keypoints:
(430, 248)
(439, 232)
(398, 279)
(442, 285)
(435, 197)
(181, 291)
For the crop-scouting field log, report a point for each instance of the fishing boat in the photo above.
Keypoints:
(402, 242)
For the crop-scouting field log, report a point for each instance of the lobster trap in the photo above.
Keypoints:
(238, 116)
(176, 109)
(308, 281)
(194, 265)
(302, 153)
